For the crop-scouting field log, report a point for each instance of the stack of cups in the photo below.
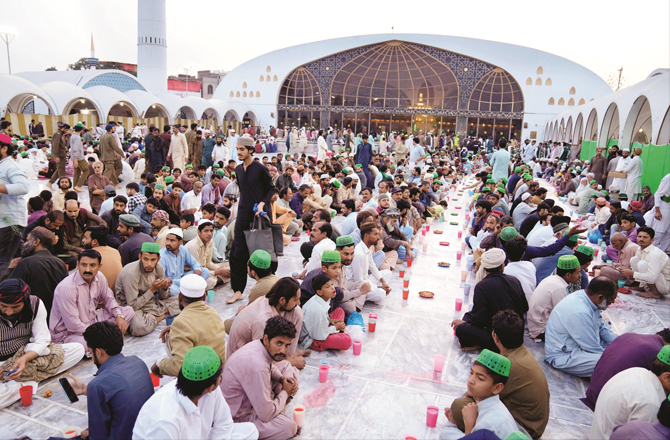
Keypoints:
(405, 281)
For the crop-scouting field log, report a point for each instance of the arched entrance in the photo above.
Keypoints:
(123, 110)
(610, 128)
(577, 135)
(638, 126)
(591, 131)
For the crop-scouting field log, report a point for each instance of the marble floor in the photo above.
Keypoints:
(384, 392)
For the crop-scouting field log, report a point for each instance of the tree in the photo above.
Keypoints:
(51, 69)
(81, 64)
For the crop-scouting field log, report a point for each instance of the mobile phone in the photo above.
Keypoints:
(67, 389)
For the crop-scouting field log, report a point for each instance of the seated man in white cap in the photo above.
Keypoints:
(27, 354)
(192, 406)
(255, 396)
(143, 286)
(173, 258)
(202, 249)
(197, 324)
(493, 293)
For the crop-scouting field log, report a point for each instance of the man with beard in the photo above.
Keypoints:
(255, 396)
(143, 286)
(37, 267)
(119, 389)
(76, 220)
(59, 151)
(160, 223)
(58, 198)
(27, 355)
(111, 217)
(84, 298)
(130, 228)
(175, 257)
(95, 237)
(283, 299)
(202, 249)
(192, 200)
(220, 234)
(197, 324)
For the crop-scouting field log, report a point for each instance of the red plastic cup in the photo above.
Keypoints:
(410, 437)
(405, 283)
(460, 234)
(405, 293)
(26, 395)
(431, 417)
(427, 228)
(596, 249)
(372, 322)
(409, 261)
(357, 347)
(323, 373)
(459, 304)
(423, 232)
(155, 380)
(458, 255)
(401, 273)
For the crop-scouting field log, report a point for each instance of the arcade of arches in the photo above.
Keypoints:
(400, 86)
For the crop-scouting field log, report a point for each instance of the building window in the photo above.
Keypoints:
(237, 95)
(274, 78)
(261, 79)
(561, 101)
(267, 78)
(529, 81)
(232, 95)
(547, 82)
(210, 89)
(244, 85)
(551, 101)
(268, 69)
(497, 91)
(300, 88)
(582, 102)
(571, 102)
(572, 90)
(538, 82)
(540, 70)
(244, 95)
(258, 94)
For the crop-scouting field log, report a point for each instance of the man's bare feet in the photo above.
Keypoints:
(297, 362)
(298, 432)
(49, 187)
(78, 189)
(651, 293)
(236, 297)
(303, 352)
(476, 347)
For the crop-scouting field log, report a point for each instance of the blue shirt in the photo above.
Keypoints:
(116, 395)
(546, 266)
(417, 152)
(349, 224)
(174, 264)
(296, 204)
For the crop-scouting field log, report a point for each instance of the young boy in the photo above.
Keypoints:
(208, 211)
(187, 225)
(331, 265)
(321, 331)
(488, 376)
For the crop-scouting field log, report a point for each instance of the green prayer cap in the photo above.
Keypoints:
(500, 185)
(490, 181)
(200, 363)
(486, 188)
(142, 150)
(517, 435)
(508, 233)
(504, 179)
(216, 165)
(603, 192)
(586, 250)
(501, 190)
(159, 187)
(624, 195)
(330, 257)
(359, 165)
(336, 183)
(517, 169)
(435, 174)
(427, 155)
(188, 166)
(261, 259)
(568, 262)
(79, 124)
(527, 177)
(24, 154)
(166, 168)
(344, 240)
(287, 155)
(169, 179)
(438, 182)
(220, 172)
(494, 362)
(592, 182)
(664, 354)
(21, 137)
(234, 174)
(152, 248)
(573, 238)
(345, 172)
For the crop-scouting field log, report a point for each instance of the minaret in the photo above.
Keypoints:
(93, 61)
(152, 45)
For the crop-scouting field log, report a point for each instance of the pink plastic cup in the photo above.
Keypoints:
(464, 275)
(596, 249)
(458, 255)
(460, 234)
(410, 437)
(427, 228)
(323, 373)
(357, 347)
(405, 293)
(26, 394)
(439, 362)
(463, 245)
(459, 304)
(423, 232)
(431, 417)
(401, 273)
(299, 414)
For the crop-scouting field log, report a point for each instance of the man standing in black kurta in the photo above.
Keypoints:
(256, 187)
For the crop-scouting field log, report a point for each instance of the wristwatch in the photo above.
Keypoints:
(121, 316)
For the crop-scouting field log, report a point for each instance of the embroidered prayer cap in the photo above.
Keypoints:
(13, 291)
(586, 250)
(168, 179)
(500, 185)
(345, 171)
(193, 286)
(573, 238)
(663, 355)
(568, 262)
(159, 186)
(152, 248)
(601, 201)
(517, 435)
(486, 188)
(517, 169)
(324, 176)
(129, 220)
(330, 257)
(623, 195)
(560, 227)
(200, 363)
(493, 361)
(246, 141)
(524, 197)
(344, 240)
(166, 168)
(161, 215)
(175, 231)
(508, 233)
(261, 259)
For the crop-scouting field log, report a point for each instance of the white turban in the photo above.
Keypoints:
(493, 258)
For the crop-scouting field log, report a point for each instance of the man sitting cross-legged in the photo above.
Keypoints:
(143, 286)
(27, 354)
(175, 256)
(283, 299)
(526, 393)
(256, 396)
(202, 249)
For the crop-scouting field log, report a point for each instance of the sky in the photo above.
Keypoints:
(209, 35)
